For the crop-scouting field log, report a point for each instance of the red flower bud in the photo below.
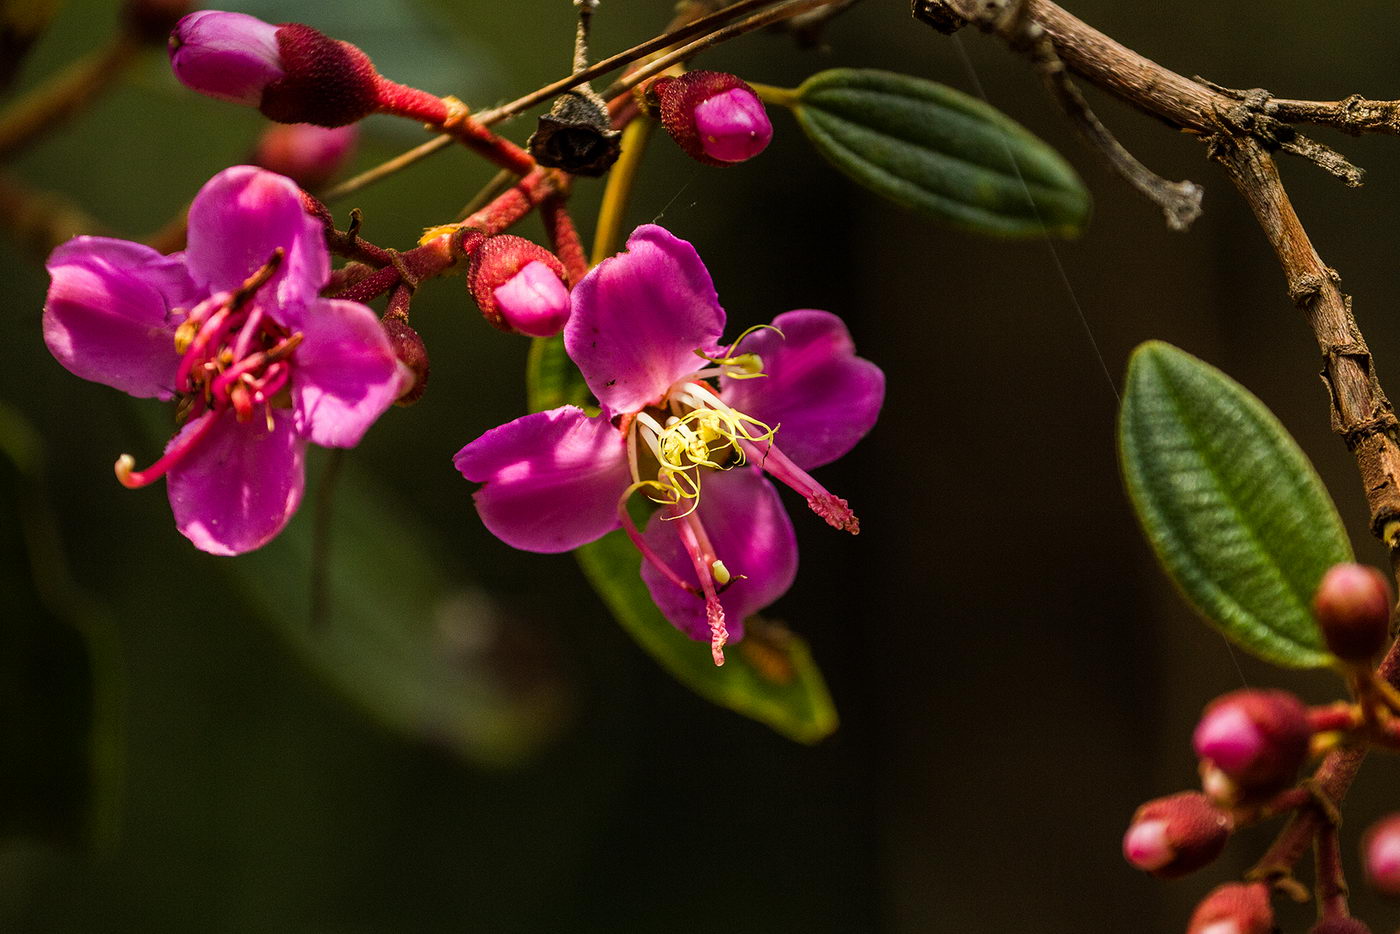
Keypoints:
(412, 353)
(713, 116)
(308, 155)
(1176, 835)
(1234, 908)
(1340, 926)
(519, 286)
(1380, 851)
(327, 82)
(292, 73)
(1257, 739)
(1353, 608)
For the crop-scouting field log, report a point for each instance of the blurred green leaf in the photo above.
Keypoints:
(378, 618)
(1235, 512)
(769, 676)
(933, 149)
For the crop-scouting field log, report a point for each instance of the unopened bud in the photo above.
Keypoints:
(229, 56)
(292, 73)
(309, 155)
(1176, 835)
(150, 21)
(519, 286)
(1353, 608)
(1339, 926)
(1380, 850)
(715, 117)
(1234, 908)
(411, 352)
(1257, 739)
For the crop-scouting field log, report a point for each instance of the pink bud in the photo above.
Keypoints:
(1256, 738)
(1234, 908)
(230, 56)
(1176, 835)
(519, 286)
(309, 155)
(1380, 851)
(713, 116)
(733, 126)
(1353, 608)
(534, 301)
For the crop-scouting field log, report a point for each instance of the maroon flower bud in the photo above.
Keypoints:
(713, 116)
(1353, 608)
(411, 352)
(1176, 835)
(1340, 926)
(1380, 851)
(519, 286)
(150, 21)
(1257, 739)
(1235, 908)
(308, 155)
(292, 73)
(230, 56)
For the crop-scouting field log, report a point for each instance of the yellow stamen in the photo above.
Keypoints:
(720, 572)
(745, 365)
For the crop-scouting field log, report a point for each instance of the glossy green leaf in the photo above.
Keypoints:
(936, 150)
(379, 619)
(769, 676)
(1235, 512)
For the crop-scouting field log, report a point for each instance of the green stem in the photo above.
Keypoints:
(785, 97)
(65, 94)
(607, 239)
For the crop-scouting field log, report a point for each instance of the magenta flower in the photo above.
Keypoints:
(693, 433)
(234, 328)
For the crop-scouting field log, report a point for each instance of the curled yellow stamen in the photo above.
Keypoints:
(741, 366)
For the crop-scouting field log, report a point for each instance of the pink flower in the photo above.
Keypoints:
(695, 434)
(234, 328)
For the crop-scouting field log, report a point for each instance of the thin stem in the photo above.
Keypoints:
(607, 239)
(46, 107)
(384, 169)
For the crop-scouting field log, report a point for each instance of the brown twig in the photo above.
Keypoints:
(1240, 129)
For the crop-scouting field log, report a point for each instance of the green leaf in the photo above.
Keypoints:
(769, 676)
(933, 149)
(1235, 512)
(397, 635)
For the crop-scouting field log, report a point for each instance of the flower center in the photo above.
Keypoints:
(233, 357)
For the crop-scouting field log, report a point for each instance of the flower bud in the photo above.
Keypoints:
(292, 73)
(230, 56)
(519, 286)
(1176, 835)
(1234, 908)
(150, 21)
(1340, 926)
(713, 116)
(411, 352)
(1353, 608)
(1380, 851)
(1257, 739)
(309, 155)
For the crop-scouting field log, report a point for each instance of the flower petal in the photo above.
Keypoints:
(552, 479)
(344, 375)
(238, 488)
(639, 316)
(824, 396)
(108, 316)
(238, 219)
(751, 534)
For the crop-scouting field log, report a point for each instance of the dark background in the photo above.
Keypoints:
(1013, 672)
